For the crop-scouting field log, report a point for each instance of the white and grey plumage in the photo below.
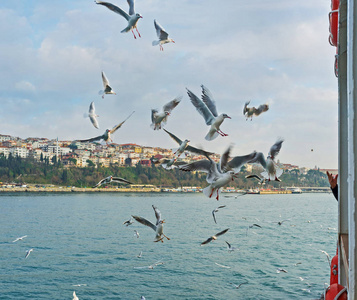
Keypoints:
(106, 136)
(28, 253)
(106, 85)
(157, 118)
(129, 222)
(92, 115)
(207, 109)
(140, 254)
(184, 146)
(162, 35)
(214, 237)
(136, 233)
(230, 248)
(132, 17)
(151, 266)
(111, 179)
(158, 228)
(278, 270)
(327, 256)
(261, 180)
(248, 112)
(216, 210)
(281, 222)
(239, 285)
(75, 296)
(168, 164)
(19, 238)
(272, 170)
(218, 175)
(143, 298)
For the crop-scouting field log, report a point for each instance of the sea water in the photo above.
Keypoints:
(80, 244)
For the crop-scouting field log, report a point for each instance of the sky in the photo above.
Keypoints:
(275, 52)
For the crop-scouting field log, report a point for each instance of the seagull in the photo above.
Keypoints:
(158, 228)
(278, 270)
(75, 296)
(107, 88)
(106, 136)
(161, 117)
(219, 174)
(272, 171)
(111, 179)
(162, 35)
(143, 298)
(239, 285)
(28, 252)
(168, 164)
(151, 266)
(250, 111)
(129, 222)
(132, 17)
(229, 247)
(251, 226)
(281, 222)
(184, 146)
(207, 109)
(19, 239)
(327, 256)
(136, 233)
(222, 266)
(216, 210)
(214, 237)
(140, 254)
(92, 116)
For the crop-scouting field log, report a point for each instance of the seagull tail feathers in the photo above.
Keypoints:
(101, 92)
(211, 136)
(155, 43)
(207, 191)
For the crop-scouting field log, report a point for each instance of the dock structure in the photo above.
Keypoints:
(347, 144)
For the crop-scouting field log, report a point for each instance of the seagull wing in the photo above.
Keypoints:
(157, 214)
(114, 8)
(198, 151)
(259, 157)
(214, 215)
(91, 108)
(207, 98)
(275, 149)
(145, 222)
(221, 206)
(97, 138)
(262, 108)
(245, 109)
(201, 107)
(172, 104)
(131, 7)
(201, 165)
(174, 137)
(238, 161)
(121, 180)
(222, 232)
(160, 31)
(99, 183)
(207, 241)
(116, 127)
(222, 165)
(257, 225)
(253, 176)
(229, 245)
(105, 80)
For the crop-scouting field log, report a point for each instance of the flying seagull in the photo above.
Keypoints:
(281, 222)
(216, 210)
(111, 179)
(218, 175)
(107, 88)
(248, 112)
(136, 233)
(19, 239)
(239, 285)
(278, 270)
(261, 180)
(251, 226)
(93, 116)
(132, 17)
(151, 266)
(129, 222)
(168, 164)
(140, 254)
(214, 237)
(75, 296)
(161, 117)
(272, 170)
(158, 228)
(106, 136)
(28, 253)
(207, 109)
(184, 146)
(162, 35)
(229, 247)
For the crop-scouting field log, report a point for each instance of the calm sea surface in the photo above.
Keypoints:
(80, 244)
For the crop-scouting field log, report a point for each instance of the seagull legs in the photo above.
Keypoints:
(217, 195)
(161, 48)
(138, 32)
(222, 133)
(133, 34)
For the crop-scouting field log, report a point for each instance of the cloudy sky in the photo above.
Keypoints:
(275, 52)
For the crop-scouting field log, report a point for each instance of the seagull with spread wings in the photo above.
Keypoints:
(132, 17)
(218, 175)
(107, 88)
(161, 117)
(158, 228)
(214, 237)
(184, 146)
(93, 116)
(248, 112)
(111, 179)
(162, 35)
(207, 109)
(106, 136)
(19, 238)
(216, 210)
